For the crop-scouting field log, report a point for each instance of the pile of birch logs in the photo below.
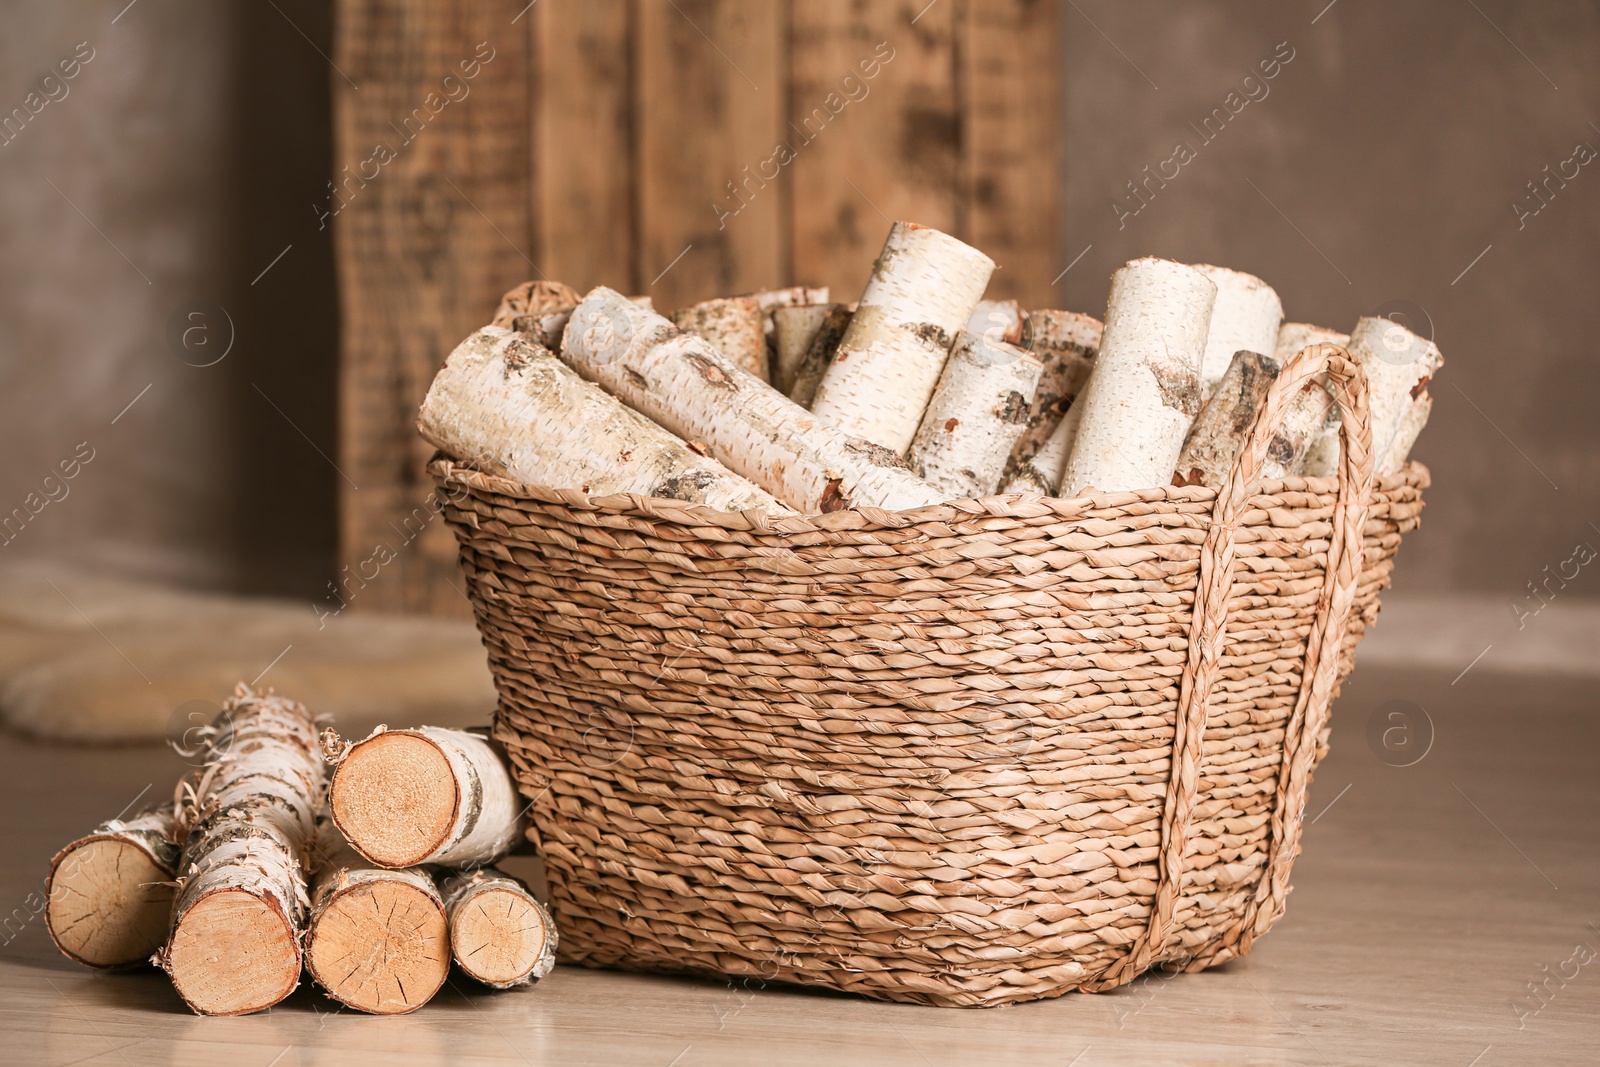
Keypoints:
(919, 393)
(372, 878)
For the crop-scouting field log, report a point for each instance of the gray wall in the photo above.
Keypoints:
(1392, 145)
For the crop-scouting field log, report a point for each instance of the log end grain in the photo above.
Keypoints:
(394, 798)
(380, 947)
(108, 903)
(499, 936)
(232, 953)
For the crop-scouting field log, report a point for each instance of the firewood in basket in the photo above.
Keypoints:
(1223, 426)
(1066, 343)
(824, 346)
(735, 327)
(1145, 390)
(978, 411)
(377, 939)
(1412, 420)
(499, 934)
(771, 301)
(533, 299)
(1399, 365)
(1310, 413)
(1245, 317)
(684, 384)
(794, 328)
(108, 896)
(240, 912)
(508, 406)
(924, 287)
(428, 795)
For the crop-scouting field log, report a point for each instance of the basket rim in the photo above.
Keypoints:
(449, 470)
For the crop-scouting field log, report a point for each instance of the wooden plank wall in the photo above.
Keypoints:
(678, 148)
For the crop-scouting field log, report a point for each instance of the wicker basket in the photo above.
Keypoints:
(978, 753)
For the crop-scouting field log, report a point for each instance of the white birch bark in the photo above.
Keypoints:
(1399, 365)
(377, 939)
(1066, 343)
(735, 326)
(1245, 317)
(772, 301)
(924, 287)
(108, 896)
(978, 411)
(1312, 413)
(794, 328)
(546, 327)
(428, 795)
(499, 934)
(1412, 421)
(999, 322)
(509, 407)
(240, 911)
(533, 299)
(814, 364)
(684, 384)
(1145, 389)
(1221, 429)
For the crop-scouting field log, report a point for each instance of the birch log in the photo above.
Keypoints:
(735, 326)
(1065, 342)
(377, 939)
(814, 364)
(546, 327)
(771, 301)
(240, 911)
(499, 934)
(924, 287)
(999, 321)
(429, 795)
(978, 411)
(533, 299)
(509, 407)
(1245, 317)
(1399, 365)
(1223, 425)
(794, 328)
(1312, 413)
(1145, 389)
(108, 896)
(687, 386)
(1411, 424)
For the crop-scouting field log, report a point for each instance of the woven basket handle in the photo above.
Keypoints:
(1208, 627)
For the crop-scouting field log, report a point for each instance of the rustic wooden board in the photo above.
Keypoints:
(1011, 84)
(709, 104)
(891, 154)
(583, 166)
(425, 248)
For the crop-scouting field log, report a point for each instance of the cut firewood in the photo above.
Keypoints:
(794, 328)
(735, 326)
(978, 411)
(1001, 321)
(109, 894)
(377, 938)
(1399, 365)
(1065, 342)
(1245, 318)
(924, 287)
(545, 327)
(824, 346)
(508, 406)
(499, 934)
(1145, 389)
(241, 906)
(428, 795)
(684, 384)
(1223, 426)
(533, 299)
(1412, 421)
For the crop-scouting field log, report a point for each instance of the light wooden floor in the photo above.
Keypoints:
(1428, 898)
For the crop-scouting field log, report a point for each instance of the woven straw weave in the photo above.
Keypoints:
(977, 753)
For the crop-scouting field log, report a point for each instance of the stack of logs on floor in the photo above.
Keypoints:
(919, 393)
(373, 878)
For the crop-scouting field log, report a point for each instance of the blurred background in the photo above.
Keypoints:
(239, 238)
